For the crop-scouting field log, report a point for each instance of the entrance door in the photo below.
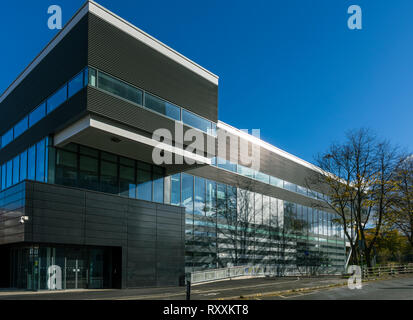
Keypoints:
(76, 268)
(76, 274)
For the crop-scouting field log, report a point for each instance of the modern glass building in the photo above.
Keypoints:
(80, 189)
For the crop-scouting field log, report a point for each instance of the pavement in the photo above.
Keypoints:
(291, 288)
(399, 288)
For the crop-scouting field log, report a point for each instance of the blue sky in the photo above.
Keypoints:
(290, 68)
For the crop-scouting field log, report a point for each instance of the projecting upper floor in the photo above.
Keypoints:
(132, 65)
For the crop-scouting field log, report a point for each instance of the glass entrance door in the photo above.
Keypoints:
(76, 269)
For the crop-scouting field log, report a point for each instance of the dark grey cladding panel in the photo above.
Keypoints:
(271, 163)
(62, 63)
(121, 55)
(67, 113)
(278, 166)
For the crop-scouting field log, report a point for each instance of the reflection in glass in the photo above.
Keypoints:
(195, 121)
(37, 114)
(88, 172)
(176, 189)
(40, 160)
(158, 185)
(7, 138)
(144, 182)
(188, 192)
(16, 167)
(75, 84)
(57, 99)
(199, 205)
(162, 106)
(21, 127)
(119, 88)
(31, 171)
(109, 177)
(211, 195)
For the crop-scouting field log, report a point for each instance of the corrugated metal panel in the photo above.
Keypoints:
(121, 55)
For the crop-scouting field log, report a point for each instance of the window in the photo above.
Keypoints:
(199, 205)
(108, 174)
(37, 114)
(162, 106)
(91, 76)
(3, 176)
(21, 127)
(211, 196)
(7, 138)
(276, 182)
(16, 167)
(176, 189)
(195, 121)
(227, 165)
(258, 209)
(221, 200)
(290, 186)
(31, 160)
(9, 176)
(23, 165)
(88, 172)
(40, 160)
(188, 192)
(273, 212)
(57, 99)
(144, 182)
(262, 177)
(302, 190)
(232, 203)
(246, 172)
(266, 210)
(75, 84)
(119, 88)
(127, 178)
(158, 184)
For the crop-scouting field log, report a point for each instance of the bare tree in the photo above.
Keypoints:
(355, 178)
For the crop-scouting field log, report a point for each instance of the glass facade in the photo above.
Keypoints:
(30, 164)
(51, 103)
(83, 167)
(81, 267)
(138, 96)
(265, 178)
(224, 224)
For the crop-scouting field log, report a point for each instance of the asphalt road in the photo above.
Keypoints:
(400, 288)
(392, 289)
(211, 291)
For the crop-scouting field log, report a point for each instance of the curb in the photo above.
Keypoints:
(280, 292)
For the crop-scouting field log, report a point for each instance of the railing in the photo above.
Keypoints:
(388, 270)
(251, 271)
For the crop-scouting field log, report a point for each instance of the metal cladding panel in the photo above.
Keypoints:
(63, 215)
(62, 63)
(270, 162)
(119, 54)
